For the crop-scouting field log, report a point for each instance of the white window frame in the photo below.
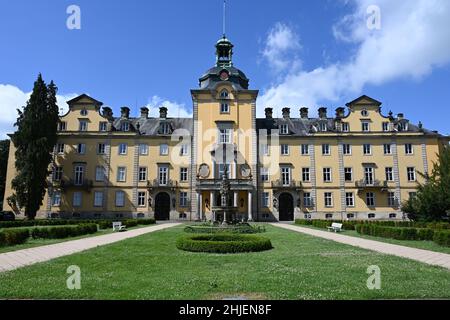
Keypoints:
(56, 198)
(81, 148)
(327, 173)
(326, 149)
(286, 176)
(411, 174)
(100, 173)
(304, 149)
(370, 199)
(60, 147)
(369, 175)
(142, 174)
(306, 174)
(409, 149)
(345, 127)
(389, 171)
(57, 173)
(123, 149)
(184, 199)
(142, 199)
(121, 174)
(307, 200)
(101, 148)
(98, 199)
(164, 149)
(143, 149)
(264, 174)
(365, 126)
(83, 125)
(387, 148)
(163, 175)
(348, 170)
(328, 199)
(120, 199)
(103, 126)
(79, 175)
(392, 199)
(284, 129)
(77, 199)
(349, 199)
(347, 149)
(284, 149)
(367, 149)
(184, 174)
(265, 197)
(224, 107)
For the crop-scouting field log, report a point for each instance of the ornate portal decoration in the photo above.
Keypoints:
(203, 171)
(246, 172)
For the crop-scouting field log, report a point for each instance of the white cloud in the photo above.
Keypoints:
(12, 98)
(281, 46)
(413, 40)
(176, 110)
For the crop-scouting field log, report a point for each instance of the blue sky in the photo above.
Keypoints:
(298, 53)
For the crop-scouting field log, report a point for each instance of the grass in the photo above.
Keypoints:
(426, 245)
(32, 243)
(299, 267)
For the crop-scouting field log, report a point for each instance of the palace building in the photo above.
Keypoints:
(356, 163)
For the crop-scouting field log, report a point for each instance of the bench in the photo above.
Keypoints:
(336, 227)
(118, 227)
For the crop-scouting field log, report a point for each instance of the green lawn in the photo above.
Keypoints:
(299, 267)
(426, 245)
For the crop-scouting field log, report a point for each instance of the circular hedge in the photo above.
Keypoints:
(223, 243)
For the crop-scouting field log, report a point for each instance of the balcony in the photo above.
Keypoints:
(376, 184)
(156, 184)
(214, 184)
(278, 184)
(85, 184)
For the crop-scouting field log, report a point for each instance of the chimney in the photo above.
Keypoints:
(322, 112)
(269, 113)
(304, 113)
(340, 112)
(163, 112)
(107, 112)
(286, 113)
(125, 112)
(144, 113)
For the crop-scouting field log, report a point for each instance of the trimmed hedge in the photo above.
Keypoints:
(350, 225)
(223, 243)
(245, 229)
(13, 237)
(346, 225)
(442, 237)
(107, 224)
(61, 232)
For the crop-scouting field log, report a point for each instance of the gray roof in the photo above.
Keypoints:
(151, 126)
(212, 77)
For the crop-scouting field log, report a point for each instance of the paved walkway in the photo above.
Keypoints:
(21, 258)
(426, 256)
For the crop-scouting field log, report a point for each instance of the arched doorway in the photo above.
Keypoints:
(162, 206)
(286, 205)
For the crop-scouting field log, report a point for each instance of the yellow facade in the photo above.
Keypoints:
(356, 164)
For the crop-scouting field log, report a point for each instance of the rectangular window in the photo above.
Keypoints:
(76, 201)
(307, 200)
(385, 126)
(389, 174)
(125, 126)
(101, 148)
(345, 127)
(142, 199)
(367, 149)
(306, 176)
(81, 148)
(326, 174)
(163, 175)
(365, 126)
(349, 199)
(184, 174)
(370, 199)
(328, 198)
(305, 149)
(222, 170)
(83, 125)
(183, 199)
(184, 151)
(369, 175)
(347, 149)
(409, 148)
(412, 195)
(123, 149)
(56, 198)
(57, 173)
(265, 199)
(79, 175)
(121, 174)
(225, 135)
(284, 149)
(103, 126)
(286, 176)
(143, 149)
(264, 174)
(60, 148)
(120, 199)
(411, 173)
(98, 199)
(391, 199)
(142, 174)
(164, 149)
(392, 215)
(326, 149)
(323, 126)
(284, 129)
(348, 173)
(62, 126)
(99, 173)
(224, 108)
(164, 128)
(387, 147)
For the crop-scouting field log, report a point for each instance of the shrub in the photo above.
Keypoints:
(130, 223)
(13, 237)
(223, 243)
(239, 229)
(146, 221)
(442, 237)
(61, 232)
(399, 233)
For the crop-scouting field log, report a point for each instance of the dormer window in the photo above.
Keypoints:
(402, 126)
(224, 108)
(103, 126)
(84, 112)
(165, 128)
(224, 94)
(83, 125)
(125, 126)
(62, 126)
(345, 127)
(365, 113)
(385, 126)
(365, 126)
(323, 126)
(284, 129)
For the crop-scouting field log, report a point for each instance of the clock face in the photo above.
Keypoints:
(224, 75)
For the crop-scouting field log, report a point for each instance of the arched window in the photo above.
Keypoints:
(224, 94)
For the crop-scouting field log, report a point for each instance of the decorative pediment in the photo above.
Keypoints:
(364, 100)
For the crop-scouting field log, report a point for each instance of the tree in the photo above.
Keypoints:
(35, 139)
(432, 201)
(4, 152)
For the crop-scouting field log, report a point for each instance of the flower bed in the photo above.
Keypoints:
(223, 243)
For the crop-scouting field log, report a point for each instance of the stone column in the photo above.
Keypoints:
(200, 206)
(235, 200)
(250, 216)
(211, 205)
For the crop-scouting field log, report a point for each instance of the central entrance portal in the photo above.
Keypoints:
(286, 207)
(162, 206)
